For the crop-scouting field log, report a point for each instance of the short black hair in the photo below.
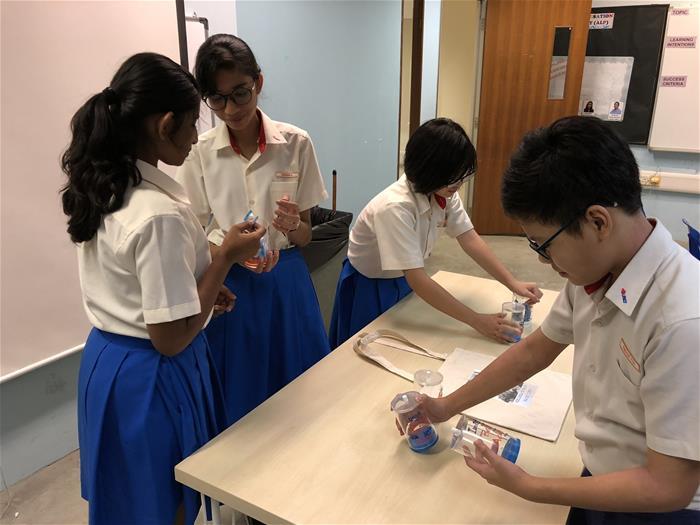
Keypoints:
(438, 154)
(223, 51)
(559, 171)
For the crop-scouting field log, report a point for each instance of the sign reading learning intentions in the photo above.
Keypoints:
(601, 21)
(674, 80)
(687, 42)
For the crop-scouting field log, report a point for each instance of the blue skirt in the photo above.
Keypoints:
(359, 300)
(139, 414)
(274, 333)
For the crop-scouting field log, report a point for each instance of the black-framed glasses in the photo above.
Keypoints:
(464, 178)
(240, 96)
(541, 249)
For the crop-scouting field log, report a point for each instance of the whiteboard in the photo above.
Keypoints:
(54, 56)
(676, 121)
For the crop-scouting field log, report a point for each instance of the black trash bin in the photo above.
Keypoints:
(330, 230)
(325, 253)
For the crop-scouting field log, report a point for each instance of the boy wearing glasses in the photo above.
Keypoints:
(397, 230)
(252, 166)
(631, 308)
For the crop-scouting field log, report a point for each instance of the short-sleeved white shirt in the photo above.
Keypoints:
(636, 375)
(397, 230)
(143, 264)
(223, 185)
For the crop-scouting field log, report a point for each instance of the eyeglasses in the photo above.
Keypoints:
(464, 178)
(240, 96)
(541, 249)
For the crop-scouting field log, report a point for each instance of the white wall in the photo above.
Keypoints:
(54, 55)
(221, 14)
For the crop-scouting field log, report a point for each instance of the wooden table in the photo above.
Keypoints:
(325, 449)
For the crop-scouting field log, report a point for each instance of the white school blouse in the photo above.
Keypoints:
(143, 264)
(397, 230)
(636, 358)
(223, 185)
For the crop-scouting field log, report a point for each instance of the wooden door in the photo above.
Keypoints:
(518, 43)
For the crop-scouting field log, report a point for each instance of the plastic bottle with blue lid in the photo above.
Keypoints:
(469, 429)
(420, 432)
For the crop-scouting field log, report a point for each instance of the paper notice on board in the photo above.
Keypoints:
(687, 42)
(674, 81)
(604, 87)
(601, 21)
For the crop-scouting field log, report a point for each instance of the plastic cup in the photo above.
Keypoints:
(515, 313)
(528, 307)
(428, 382)
(419, 431)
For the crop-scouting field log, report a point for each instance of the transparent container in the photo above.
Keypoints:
(419, 431)
(252, 263)
(514, 312)
(428, 382)
(468, 430)
(527, 318)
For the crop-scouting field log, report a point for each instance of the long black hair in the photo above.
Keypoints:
(223, 51)
(100, 161)
(438, 154)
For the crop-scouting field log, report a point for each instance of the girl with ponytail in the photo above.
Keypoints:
(148, 395)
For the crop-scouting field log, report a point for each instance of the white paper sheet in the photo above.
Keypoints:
(605, 81)
(538, 407)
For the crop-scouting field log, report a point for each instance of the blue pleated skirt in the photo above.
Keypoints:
(139, 414)
(359, 300)
(274, 333)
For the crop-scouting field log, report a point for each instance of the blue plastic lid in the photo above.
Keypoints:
(511, 449)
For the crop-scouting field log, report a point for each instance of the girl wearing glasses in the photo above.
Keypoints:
(397, 230)
(148, 395)
(250, 164)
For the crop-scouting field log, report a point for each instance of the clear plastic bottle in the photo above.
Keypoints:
(468, 430)
(420, 432)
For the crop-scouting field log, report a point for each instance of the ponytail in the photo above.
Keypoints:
(97, 165)
(100, 161)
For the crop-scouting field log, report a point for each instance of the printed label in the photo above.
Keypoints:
(680, 11)
(685, 42)
(674, 80)
(601, 21)
(520, 395)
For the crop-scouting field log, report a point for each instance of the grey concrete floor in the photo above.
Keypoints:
(52, 495)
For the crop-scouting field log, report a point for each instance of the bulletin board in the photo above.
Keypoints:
(676, 121)
(622, 65)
